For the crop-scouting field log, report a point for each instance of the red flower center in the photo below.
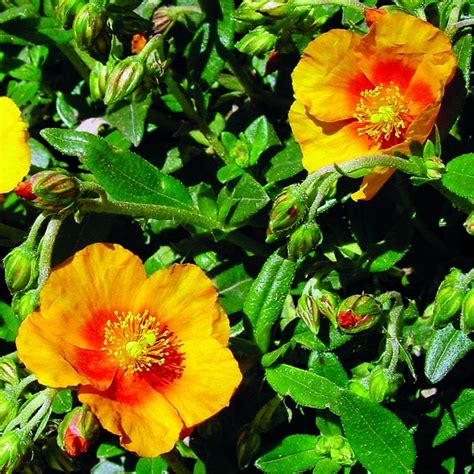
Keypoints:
(383, 114)
(138, 343)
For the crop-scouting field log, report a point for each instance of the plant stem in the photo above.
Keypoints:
(49, 238)
(392, 351)
(456, 7)
(23, 383)
(33, 234)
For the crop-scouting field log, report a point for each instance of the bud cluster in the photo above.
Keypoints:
(358, 313)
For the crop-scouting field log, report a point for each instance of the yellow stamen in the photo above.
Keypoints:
(137, 342)
(383, 112)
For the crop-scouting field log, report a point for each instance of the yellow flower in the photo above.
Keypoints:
(148, 355)
(15, 154)
(360, 95)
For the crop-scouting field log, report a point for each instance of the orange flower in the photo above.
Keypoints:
(148, 355)
(361, 95)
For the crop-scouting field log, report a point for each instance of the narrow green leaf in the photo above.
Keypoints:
(14, 13)
(459, 177)
(380, 441)
(260, 136)
(295, 453)
(62, 402)
(463, 51)
(266, 297)
(447, 347)
(304, 387)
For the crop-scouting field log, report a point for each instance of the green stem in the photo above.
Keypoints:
(322, 190)
(23, 383)
(456, 7)
(392, 351)
(35, 228)
(463, 23)
(49, 238)
(193, 115)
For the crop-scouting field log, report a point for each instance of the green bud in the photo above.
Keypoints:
(288, 209)
(8, 371)
(304, 239)
(98, 80)
(162, 19)
(308, 312)
(124, 79)
(78, 429)
(467, 312)
(248, 11)
(276, 8)
(327, 304)
(358, 313)
(449, 297)
(337, 448)
(434, 167)
(8, 407)
(50, 190)
(13, 447)
(66, 10)
(21, 268)
(359, 387)
(257, 41)
(88, 24)
(25, 303)
(469, 224)
(248, 444)
(100, 48)
(383, 384)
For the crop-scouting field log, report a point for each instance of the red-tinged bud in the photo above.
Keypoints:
(327, 304)
(308, 312)
(358, 313)
(304, 239)
(21, 268)
(469, 224)
(124, 79)
(50, 190)
(273, 62)
(88, 24)
(162, 19)
(77, 431)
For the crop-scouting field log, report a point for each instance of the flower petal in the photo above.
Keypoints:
(324, 144)
(146, 423)
(15, 154)
(210, 377)
(184, 298)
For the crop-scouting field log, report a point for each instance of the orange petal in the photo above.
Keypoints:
(15, 153)
(210, 377)
(184, 298)
(83, 291)
(325, 144)
(146, 423)
(372, 183)
(328, 73)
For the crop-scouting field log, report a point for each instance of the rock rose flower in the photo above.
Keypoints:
(148, 355)
(15, 154)
(363, 95)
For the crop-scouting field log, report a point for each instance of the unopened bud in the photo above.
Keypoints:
(66, 11)
(288, 208)
(13, 447)
(100, 48)
(467, 312)
(25, 303)
(304, 239)
(469, 224)
(434, 167)
(98, 81)
(162, 19)
(77, 431)
(257, 41)
(8, 407)
(383, 384)
(8, 371)
(50, 190)
(359, 387)
(88, 24)
(358, 313)
(21, 268)
(248, 11)
(248, 444)
(124, 79)
(327, 304)
(275, 8)
(449, 297)
(308, 312)
(337, 448)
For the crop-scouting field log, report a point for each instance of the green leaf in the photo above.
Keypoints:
(304, 387)
(295, 453)
(40, 155)
(242, 201)
(233, 284)
(380, 441)
(266, 297)
(463, 50)
(126, 176)
(62, 402)
(107, 450)
(447, 347)
(151, 466)
(130, 118)
(9, 323)
(15, 13)
(164, 257)
(327, 365)
(260, 135)
(326, 466)
(35, 30)
(459, 176)
(454, 418)
(285, 164)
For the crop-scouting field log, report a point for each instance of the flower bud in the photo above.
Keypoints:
(247, 11)
(25, 303)
(50, 190)
(100, 48)
(8, 371)
(21, 268)
(66, 11)
(77, 431)
(162, 19)
(8, 407)
(288, 208)
(383, 384)
(275, 8)
(13, 446)
(449, 297)
(469, 223)
(88, 24)
(337, 448)
(248, 444)
(327, 304)
(359, 387)
(257, 41)
(98, 81)
(308, 312)
(124, 79)
(467, 312)
(434, 167)
(304, 239)
(358, 313)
